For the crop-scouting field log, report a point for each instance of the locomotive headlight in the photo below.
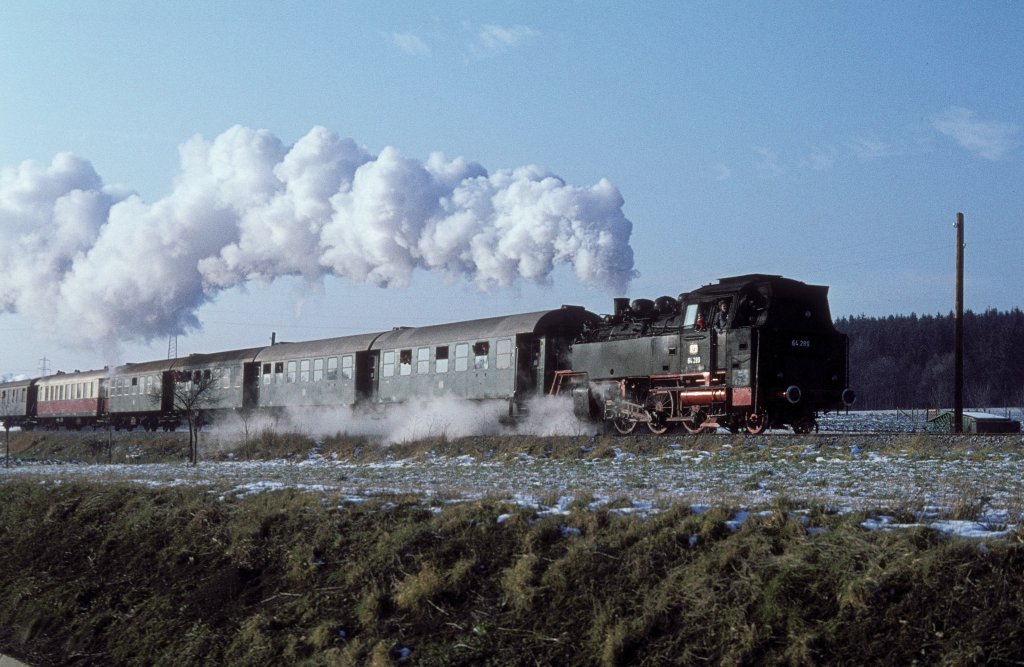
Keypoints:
(793, 394)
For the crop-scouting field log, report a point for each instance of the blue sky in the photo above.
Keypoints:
(829, 142)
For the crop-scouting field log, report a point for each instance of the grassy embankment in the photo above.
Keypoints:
(117, 574)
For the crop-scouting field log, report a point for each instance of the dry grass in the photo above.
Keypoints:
(120, 575)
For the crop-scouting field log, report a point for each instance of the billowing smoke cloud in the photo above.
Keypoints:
(97, 260)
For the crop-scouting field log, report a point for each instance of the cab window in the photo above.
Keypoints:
(690, 317)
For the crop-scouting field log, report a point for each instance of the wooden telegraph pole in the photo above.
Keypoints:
(958, 331)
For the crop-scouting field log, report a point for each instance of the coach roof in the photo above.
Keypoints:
(567, 319)
(325, 347)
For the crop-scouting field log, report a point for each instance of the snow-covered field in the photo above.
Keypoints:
(981, 487)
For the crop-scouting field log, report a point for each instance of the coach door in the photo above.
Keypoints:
(250, 384)
(528, 366)
(367, 375)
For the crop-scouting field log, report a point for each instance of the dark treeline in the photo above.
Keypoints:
(906, 361)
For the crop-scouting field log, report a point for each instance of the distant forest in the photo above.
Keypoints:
(906, 361)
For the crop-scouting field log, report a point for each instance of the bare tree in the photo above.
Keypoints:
(193, 393)
(245, 415)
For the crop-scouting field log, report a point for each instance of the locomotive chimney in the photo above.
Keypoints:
(273, 338)
(621, 306)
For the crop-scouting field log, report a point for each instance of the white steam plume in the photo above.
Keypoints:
(446, 417)
(97, 260)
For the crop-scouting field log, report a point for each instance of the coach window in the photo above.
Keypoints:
(422, 360)
(304, 370)
(318, 370)
(504, 351)
(332, 369)
(462, 356)
(293, 371)
(278, 373)
(480, 352)
(405, 362)
(266, 374)
(441, 359)
(346, 367)
(387, 364)
(135, 386)
(226, 373)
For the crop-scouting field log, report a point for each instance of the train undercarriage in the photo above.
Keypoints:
(698, 402)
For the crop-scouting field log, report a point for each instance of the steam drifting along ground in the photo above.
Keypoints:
(96, 259)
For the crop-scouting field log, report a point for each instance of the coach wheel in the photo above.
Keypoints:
(623, 426)
(757, 422)
(694, 421)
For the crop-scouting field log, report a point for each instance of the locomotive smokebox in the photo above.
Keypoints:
(621, 306)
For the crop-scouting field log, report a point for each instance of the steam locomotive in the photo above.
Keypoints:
(750, 353)
(774, 360)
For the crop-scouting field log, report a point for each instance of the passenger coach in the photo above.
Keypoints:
(71, 400)
(512, 358)
(509, 358)
(17, 402)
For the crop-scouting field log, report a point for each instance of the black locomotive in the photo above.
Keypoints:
(750, 353)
